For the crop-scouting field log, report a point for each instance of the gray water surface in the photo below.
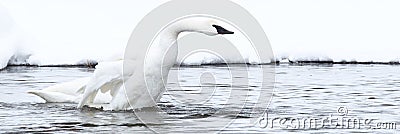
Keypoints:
(311, 91)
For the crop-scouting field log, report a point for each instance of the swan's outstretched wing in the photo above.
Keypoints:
(64, 92)
(107, 77)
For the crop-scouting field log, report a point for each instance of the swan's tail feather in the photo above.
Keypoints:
(64, 92)
(53, 97)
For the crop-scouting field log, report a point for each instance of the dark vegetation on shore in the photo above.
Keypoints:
(93, 64)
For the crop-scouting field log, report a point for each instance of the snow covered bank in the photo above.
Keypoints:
(13, 49)
(6, 38)
(49, 33)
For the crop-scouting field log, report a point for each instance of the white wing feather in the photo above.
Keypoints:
(106, 77)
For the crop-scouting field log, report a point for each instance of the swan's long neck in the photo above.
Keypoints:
(176, 28)
(168, 45)
(164, 53)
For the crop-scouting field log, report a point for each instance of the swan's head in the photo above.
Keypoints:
(206, 26)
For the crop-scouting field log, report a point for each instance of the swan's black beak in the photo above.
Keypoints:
(222, 30)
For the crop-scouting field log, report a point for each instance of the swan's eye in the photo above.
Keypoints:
(222, 30)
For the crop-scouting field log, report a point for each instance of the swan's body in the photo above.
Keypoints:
(109, 76)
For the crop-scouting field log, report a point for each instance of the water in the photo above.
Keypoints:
(301, 92)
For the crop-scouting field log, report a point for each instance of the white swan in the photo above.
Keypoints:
(108, 77)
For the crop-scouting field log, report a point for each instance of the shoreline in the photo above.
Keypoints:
(224, 64)
(343, 62)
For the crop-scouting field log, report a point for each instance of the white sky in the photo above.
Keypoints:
(360, 29)
(339, 29)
